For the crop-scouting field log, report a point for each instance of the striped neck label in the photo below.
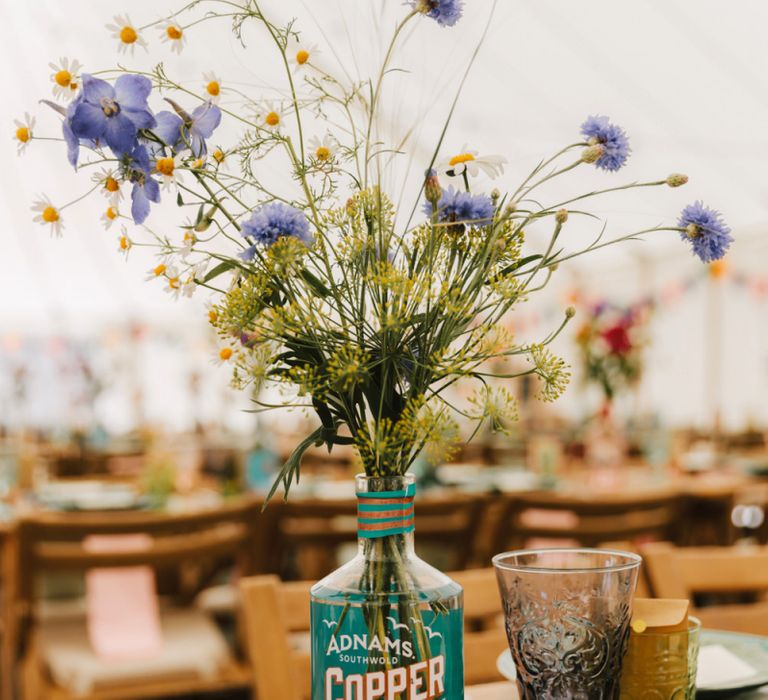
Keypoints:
(385, 513)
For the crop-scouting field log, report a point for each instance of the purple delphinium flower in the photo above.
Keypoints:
(113, 113)
(73, 143)
(167, 129)
(709, 236)
(191, 131)
(272, 221)
(462, 207)
(445, 12)
(205, 118)
(136, 168)
(598, 130)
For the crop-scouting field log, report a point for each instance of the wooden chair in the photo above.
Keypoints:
(692, 572)
(309, 532)
(8, 563)
(190, 544)
(484, 636)
(705, 518)
(273, 611)
(587, 520)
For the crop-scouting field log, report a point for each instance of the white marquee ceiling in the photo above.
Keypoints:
(688, 81)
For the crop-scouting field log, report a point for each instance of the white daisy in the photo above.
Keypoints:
(173, 286)
(124, 243)
(48, 215)
(188, 287)
(300, 54)
(187, 243)
(220, 158)
(109, 217)
(212, 312)
(172, 33)
(323, 150)
(223, 356)
(24, 131)
(197, 273)
(271, 117)
(127, 35)
(158, 271)
(470, 162)
(110, 185)
(65, 78)
(212, 86)
(166, 167)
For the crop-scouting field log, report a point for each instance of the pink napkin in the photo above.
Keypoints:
(123, 615)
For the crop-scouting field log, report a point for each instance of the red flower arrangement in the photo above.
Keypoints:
(611, 342)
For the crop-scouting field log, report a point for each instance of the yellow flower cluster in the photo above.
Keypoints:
(495, 405)
(309, 381)
(389, 447)
(439, 434)
(252, 368)
(552, 369)
(284, 257)
(347, 368)
(241, 307)
(494, 340)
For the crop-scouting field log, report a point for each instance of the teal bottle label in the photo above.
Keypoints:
(417, 659)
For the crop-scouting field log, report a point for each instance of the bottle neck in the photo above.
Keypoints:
(386, 517)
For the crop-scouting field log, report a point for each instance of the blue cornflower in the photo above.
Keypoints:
(272, 221)
(598, 130)
(462, 207)
(136, 167)
(114, 114)
(188, 130)
(445, 12)
(706, 231)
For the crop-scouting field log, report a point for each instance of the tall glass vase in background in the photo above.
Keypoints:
(606, 446)
(387, 624)
(567, 614)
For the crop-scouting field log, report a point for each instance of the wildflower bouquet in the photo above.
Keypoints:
(611, 344)
(362, 312)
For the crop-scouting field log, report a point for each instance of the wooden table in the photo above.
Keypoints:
(492, 691)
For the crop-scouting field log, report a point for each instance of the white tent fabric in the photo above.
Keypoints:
(686, 80)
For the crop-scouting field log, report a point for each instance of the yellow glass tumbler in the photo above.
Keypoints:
(661, 665)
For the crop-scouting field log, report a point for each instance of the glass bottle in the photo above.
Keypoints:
(387, 625)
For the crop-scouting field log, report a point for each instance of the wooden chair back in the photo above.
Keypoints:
(273, 611)
(484, 634)
(8, 561)
(586, 520)
(690, 572)
(449, 524)
(50, 542)
(309, 532)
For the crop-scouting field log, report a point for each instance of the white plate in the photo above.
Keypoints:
(506, 666)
